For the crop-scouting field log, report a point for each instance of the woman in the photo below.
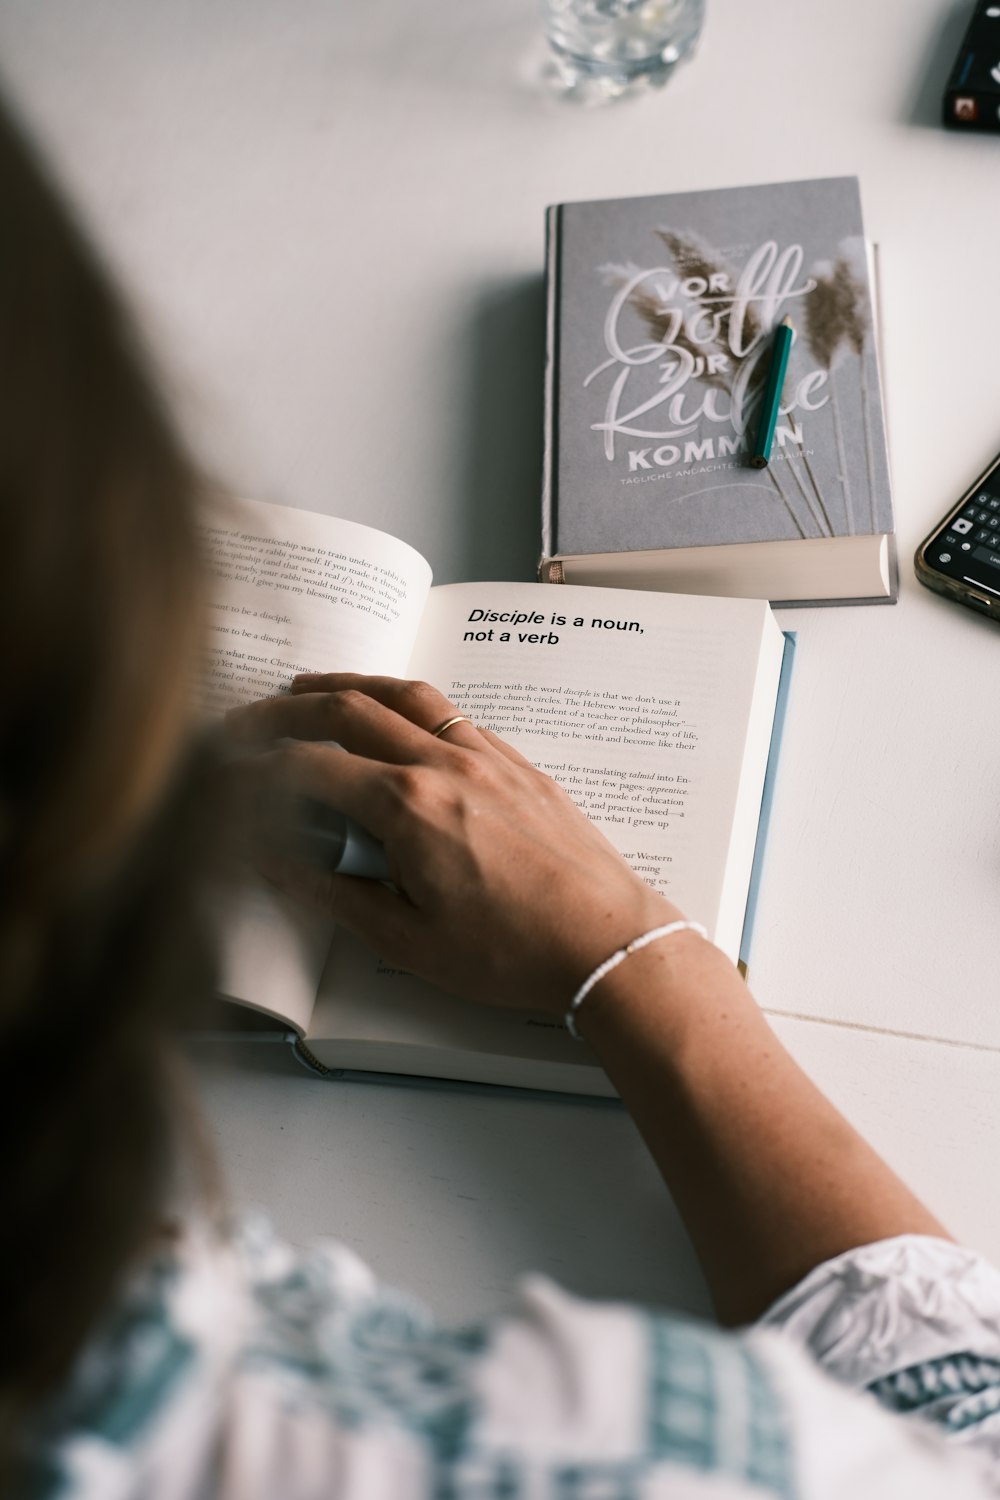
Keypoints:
(195, 1361)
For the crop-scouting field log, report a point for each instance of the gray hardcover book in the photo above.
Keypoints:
(661, 319)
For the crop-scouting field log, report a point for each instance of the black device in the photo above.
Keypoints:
(972, 97)
(961, 557)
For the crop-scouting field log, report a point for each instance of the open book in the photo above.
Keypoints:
(654, 711)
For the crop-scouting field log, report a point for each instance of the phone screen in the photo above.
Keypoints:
(966, 547)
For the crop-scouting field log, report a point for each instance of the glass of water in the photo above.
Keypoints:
(605, 48)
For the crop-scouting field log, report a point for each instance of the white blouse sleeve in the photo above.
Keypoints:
(913, 1321)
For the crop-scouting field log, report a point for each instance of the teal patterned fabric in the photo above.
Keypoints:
(387, 1361)
(249, 1371)
(382, 1361)
(958, 1391)
(701, 1379)
(121, 1388)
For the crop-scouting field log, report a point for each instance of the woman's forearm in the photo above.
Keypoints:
(769, 1177)
(505, 892)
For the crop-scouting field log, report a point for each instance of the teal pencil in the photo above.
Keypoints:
(784, 338)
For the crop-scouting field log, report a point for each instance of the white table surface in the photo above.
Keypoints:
(330, 217)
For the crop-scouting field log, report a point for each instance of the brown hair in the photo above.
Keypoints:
(102, 804)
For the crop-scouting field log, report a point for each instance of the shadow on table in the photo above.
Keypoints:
(942, 46)
(501, 468)
(588, 1206)
(450, 1192)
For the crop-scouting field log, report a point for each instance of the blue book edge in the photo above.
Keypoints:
(767, 797)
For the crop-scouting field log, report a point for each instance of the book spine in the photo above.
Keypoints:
(552, 254)
(310, 1061)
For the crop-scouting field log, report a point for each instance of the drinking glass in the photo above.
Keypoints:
(605, 48)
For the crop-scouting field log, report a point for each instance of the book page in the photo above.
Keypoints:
(642, 706)
(377, 1017)
(296, 592)
(653, 711)
(300, 592)
(272, 955)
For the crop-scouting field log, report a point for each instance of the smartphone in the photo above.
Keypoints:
(961, 557)
(972, 96)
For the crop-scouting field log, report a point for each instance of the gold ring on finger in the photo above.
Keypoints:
(447, 723)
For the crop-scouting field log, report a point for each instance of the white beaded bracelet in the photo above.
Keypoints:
(620, 957)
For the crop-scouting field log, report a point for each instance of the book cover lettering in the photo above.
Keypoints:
(664, 311)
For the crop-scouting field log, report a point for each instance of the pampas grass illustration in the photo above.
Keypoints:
(836, 318)
(854, 298)
(659, 322)
(693, 260)
(824, 526)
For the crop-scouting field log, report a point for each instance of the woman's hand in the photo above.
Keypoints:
(506, 892)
